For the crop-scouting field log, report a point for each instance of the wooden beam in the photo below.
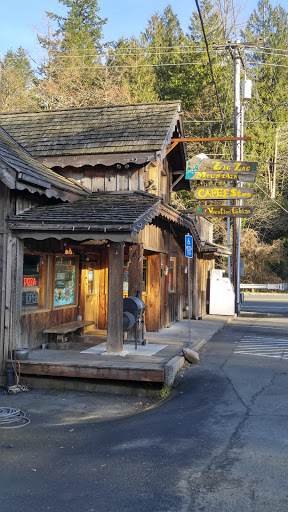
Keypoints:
(203, 139)
(177, 181)
(91, 372)
(208, 139)
(115, 298)
(175, 142)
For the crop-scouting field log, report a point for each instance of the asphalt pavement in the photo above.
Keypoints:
(265, 303)
(217, 444)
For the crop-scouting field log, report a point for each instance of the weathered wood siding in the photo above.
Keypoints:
(153, 177)
(205, 264)
(33, 324)
(4, 206)
(108, 179)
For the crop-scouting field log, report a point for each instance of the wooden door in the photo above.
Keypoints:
(172, 298)
(91, 295)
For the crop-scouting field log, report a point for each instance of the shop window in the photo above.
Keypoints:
(172, 275)
(65, 281)
(34, 288)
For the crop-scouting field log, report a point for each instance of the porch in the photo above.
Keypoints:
(155, 363)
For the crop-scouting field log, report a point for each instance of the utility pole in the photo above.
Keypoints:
(236, 156)
(238, 130)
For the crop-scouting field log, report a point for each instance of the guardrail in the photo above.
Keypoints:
(273, 286)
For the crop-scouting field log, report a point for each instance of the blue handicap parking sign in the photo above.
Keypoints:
(188, 246)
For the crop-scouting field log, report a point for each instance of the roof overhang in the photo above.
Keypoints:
(62, 221)
(209, 247)
(98, 159)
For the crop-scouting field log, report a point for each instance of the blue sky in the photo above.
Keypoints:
(22, 19)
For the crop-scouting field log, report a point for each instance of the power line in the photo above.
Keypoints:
(147, 50)
(274, 200)
(268, 112)
(268, 64)
(136, 65)
(210, 63)
(257, 51)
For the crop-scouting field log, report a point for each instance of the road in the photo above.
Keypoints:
(218, 444)
(266, 303)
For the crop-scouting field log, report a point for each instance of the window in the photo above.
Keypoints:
(172, 275)
(65, 281)
(34, 288)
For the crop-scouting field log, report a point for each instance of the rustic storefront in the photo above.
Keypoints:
(95, 227)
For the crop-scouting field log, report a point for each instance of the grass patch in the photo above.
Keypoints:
(165, 391)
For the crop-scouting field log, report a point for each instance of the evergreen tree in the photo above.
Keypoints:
(82, 27)
(17, 86)
(128, 63)
(74, 75)
(266, 114)
(165, 46)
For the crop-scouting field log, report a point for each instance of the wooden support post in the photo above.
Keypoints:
(136, 272)
(115, 298)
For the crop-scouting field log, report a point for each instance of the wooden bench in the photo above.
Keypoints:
(61, 330)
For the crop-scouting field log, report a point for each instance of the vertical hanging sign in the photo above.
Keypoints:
(189, 255)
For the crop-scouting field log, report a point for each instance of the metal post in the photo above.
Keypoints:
(189, 302)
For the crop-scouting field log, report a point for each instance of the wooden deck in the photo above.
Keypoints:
(73, 363)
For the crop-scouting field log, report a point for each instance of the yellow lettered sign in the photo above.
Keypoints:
(207, 193)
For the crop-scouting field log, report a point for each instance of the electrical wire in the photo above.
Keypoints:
(268, 112)
(136, 65)
(267, 64)
(274, 200)
(248, 50)
(192, 46)
(210, 63)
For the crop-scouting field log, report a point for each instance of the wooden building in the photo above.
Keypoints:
(86, 218)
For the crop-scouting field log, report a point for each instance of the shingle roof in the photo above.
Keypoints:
(110, 211)
(97, 130)
(30, 170)
(126, 212)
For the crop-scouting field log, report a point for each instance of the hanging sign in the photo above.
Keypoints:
(223, 211)
(197, 165)
(224, 176)
(223, 193)
(188, 246)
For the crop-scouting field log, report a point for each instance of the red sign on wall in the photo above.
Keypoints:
(29, 281)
